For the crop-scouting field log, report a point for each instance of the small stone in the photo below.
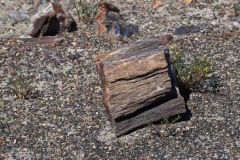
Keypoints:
(123, 29)
(238, 144)
(74, 56)
(19, 15)
(187, 2)
(157, 3)
(2, 141)
(74, 44)
(183, 30)
(178, 130)
(166, 39)
(236, 24)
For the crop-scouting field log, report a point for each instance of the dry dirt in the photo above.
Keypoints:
(64, 116)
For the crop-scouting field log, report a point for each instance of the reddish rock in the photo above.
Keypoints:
(110, 20)
(48, 41)
(50, 19)
(165, 39)
(137, 85)
(157, 3)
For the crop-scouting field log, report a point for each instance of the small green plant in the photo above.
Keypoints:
(236, 8)
(85, 10)
(21, 87)
(190, 71)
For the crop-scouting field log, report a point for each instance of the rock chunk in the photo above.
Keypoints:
(138, 84)
(165, 39)
(50, 19)
(157, 3)
(184, 30)
(19, 15)
(110, 20)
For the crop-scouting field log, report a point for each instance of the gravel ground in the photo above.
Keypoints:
(64, 117)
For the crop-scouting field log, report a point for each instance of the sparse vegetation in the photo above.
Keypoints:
(190, 71)
(86, 10)
(165, 126)
(236, 8)
(53, 101)
(21, 87)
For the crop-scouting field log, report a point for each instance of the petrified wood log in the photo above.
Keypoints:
(138, 85)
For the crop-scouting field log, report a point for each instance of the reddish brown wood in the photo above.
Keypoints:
(50, 19)
(48, 41)
(137, 86)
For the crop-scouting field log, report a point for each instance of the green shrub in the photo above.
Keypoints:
(85, 10)
(21, 87)
(236, 8)
(190, 71)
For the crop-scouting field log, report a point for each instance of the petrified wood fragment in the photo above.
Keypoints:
(50, 19)
(47, 41)
(108, 19)
(138, 85)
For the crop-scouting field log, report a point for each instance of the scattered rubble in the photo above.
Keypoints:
(67, 120)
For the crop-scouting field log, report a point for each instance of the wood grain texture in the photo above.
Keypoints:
(134, 79)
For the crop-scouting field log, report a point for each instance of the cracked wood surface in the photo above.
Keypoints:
(135, 79)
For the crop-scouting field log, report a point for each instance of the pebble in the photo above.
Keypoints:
(184, 30)
(19, 15)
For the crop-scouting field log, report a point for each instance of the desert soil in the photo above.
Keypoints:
(64, 116)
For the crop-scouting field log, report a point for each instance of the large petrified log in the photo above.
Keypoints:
(139, 86)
